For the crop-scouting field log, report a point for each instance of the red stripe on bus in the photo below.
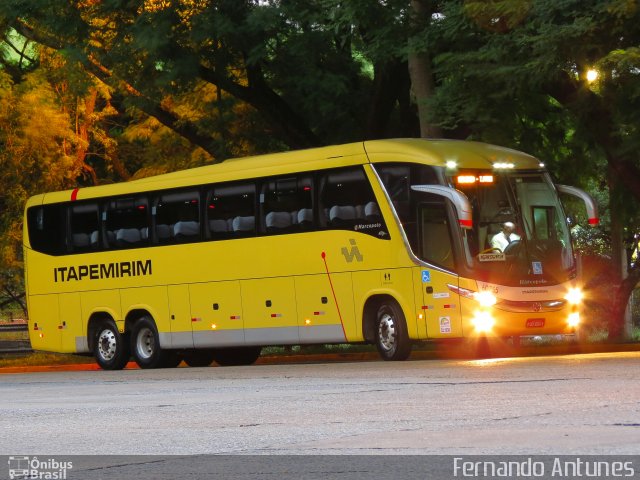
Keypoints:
(335, 299)
(74, 194)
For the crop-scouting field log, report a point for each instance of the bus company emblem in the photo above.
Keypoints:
(536, 306)
(349, 255)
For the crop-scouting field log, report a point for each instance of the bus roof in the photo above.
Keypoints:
(432, 152)
(466, 154)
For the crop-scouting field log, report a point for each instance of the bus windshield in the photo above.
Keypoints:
(520, 234)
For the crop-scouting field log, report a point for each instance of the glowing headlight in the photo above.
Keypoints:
(574, 319)
(574, 296)
(503, 165)
(485, 299)
(482, 322)
(451, 164)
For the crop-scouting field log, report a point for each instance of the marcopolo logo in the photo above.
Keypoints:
(22, 467)
(353, 253)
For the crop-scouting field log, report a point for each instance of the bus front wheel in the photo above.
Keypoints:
(145, 346)
(392, 339)
(110, 347)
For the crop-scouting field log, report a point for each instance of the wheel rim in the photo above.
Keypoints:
(145, 343)
(387, 332)
(107, 344)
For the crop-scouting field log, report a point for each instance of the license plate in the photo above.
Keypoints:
(535, 323)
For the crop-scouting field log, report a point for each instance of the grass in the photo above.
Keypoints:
(42, 358)
(14, 336)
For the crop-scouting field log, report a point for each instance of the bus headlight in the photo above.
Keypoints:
(574, 296)
(573, 320)
(482, 321)
(485, 299)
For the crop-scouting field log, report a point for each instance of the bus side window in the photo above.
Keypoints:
(231, 211)
(287, 205)
(46, 229)
(348, 203)
(84, 228)
(127, 222)
(177, 217)
(544, 223)
(436, 244)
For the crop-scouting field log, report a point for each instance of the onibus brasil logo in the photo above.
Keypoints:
(23, 467)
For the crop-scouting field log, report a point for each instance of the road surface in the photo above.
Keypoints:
(573, 404)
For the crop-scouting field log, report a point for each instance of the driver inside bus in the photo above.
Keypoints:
(502, 239)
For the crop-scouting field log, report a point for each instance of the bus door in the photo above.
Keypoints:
(440, 303)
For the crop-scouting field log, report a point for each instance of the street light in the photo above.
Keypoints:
(592, 75)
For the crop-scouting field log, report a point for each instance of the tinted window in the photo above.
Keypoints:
(127, 223)
(84, 226)
(287, 205)
(231, 211)
(46, 227)
(177, 217)
(397, 179)
(435, 235)
(348, 203)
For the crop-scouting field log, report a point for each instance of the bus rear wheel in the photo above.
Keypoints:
(391, 337)
(228, 357)
(110, 347)
(145, 346)
(199, 358)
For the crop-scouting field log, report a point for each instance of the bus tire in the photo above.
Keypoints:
(391, 337)
(235, 356)
(198, 358)
(145, 346)
(110, 347)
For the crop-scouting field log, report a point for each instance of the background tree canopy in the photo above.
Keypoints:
(95, 91)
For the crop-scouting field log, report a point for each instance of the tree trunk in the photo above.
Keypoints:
(420, 71)
(619, 261)
(390, 80)
(620, 302)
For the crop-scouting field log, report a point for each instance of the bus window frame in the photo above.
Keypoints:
(299, 180)
(109, 205)
(208, 192)
(154, 198)
(71, 247)
(203, 194)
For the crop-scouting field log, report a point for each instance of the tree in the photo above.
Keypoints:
(420, 65)
(148, 50)
(33, 134)
(516, 71)
(317, 72)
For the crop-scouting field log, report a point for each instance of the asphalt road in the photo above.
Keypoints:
(574, 404)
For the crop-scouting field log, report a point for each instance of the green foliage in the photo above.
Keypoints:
(124, 89)
(35, 139)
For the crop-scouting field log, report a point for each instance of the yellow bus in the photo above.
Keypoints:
(388, 242)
